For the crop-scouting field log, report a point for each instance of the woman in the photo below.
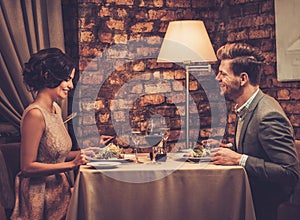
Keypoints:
(42, 188)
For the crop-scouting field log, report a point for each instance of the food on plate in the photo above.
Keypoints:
(109, 151)
(199, 152)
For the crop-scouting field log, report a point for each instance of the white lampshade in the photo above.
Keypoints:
(186, 41)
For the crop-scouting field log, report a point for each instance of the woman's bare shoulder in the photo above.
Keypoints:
(33, 116)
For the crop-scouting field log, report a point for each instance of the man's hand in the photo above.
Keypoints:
(215, 143)
(225, 156)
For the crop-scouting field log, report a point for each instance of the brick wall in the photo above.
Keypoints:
(118, 41)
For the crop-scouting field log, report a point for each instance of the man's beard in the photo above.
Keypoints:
(228, 97)
(233, 93)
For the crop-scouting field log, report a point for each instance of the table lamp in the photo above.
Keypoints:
(187, 42)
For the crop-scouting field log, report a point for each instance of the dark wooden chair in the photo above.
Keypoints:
(290, 210)
(9, 167)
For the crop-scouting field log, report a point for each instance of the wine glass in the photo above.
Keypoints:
(165, 137)
(135, 137)
(158, 135)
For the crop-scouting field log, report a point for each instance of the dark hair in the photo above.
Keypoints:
(245, 58)
(47, 69)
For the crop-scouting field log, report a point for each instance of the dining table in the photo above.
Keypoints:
(169, 190)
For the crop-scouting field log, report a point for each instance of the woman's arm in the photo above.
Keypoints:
(73, 154)
(31, 133)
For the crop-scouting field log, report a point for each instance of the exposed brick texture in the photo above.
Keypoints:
(103, 24)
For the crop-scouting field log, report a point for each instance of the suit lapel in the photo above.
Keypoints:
(234, 145)
(248, 116)
(243, 131)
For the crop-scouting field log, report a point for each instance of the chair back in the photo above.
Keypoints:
(291, 209)
(295, 199)
(9, 167)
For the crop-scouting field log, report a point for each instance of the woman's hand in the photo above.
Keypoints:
(105, 139)
(79, 159)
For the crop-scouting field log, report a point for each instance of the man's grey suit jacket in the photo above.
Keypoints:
(267, 137)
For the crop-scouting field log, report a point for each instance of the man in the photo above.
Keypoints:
(264, 141)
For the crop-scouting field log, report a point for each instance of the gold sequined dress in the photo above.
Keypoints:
(47, 197)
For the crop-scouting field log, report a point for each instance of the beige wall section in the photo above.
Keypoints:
(287, 19)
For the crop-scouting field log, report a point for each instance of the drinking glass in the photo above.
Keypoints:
(135, 137)
(161, 133)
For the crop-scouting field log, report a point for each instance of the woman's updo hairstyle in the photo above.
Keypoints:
(47, 69)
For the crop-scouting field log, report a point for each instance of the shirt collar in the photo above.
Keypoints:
(241, 111)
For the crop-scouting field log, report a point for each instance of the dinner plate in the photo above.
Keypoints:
(109, 160)
(199, 159)
(178, 156)
(104, 164)
(205, 159)
(191, 159)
